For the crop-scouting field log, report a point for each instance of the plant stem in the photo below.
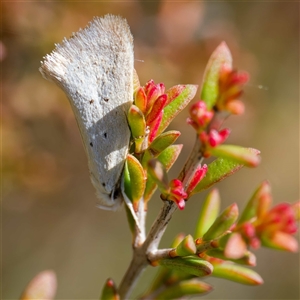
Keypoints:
(140, 254)
(159, 226)
(138, 264)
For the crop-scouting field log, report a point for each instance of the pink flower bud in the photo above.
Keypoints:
(248, 230)
(199, 116)
(154, 126)
(153, 91)
(141, 99)
(157, 108)
(198, 175)
(230, 89)
(280, 218)
(236, 107)
(217, 137)
(177, 193)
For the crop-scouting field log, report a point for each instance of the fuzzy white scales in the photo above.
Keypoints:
(95, 69)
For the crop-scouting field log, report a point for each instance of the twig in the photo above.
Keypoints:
(140, 258)
(159, 226)
(137, 265)
(159, 254)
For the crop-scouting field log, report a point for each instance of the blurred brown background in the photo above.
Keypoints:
(48, 209)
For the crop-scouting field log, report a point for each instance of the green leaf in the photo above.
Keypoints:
(177, 105)
(109, 291)
(170, 155)
(189, 264)
(163, 141)
(158, 174)
(136, 121)
(127, 186)
(218, 170)
(186, 247)
(184, 288)
(210, 86)
(246, 156)
(262, 194)
(209, 213)
(248, 259)
(167, 158)
(177, 240)
(222, 223)
(237, 273)
(135, 173)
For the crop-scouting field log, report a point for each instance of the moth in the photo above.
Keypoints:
(95, 69)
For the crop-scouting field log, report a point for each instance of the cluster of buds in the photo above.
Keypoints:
(146, 115)
(153, 110)
(212, 139)
(200, 117)
(228, 87)
(151, 100)
(274, 229)
(228, 236)
(176, 193)
(175, 190)
(271, 227)
(231, 84)
(207, 115)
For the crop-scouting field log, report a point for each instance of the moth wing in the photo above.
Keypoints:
(95, 69)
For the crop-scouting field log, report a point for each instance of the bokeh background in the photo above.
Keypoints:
(49, 218)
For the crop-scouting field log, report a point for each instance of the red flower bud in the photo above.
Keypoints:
(177, 193)
(216, 138)
(198, 175)
(231, 84)
(280, 218)
(199, 116)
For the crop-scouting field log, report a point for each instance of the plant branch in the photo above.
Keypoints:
(159, 226)
(140, 258)
(140, 228)
(159, 254)
(137, 265)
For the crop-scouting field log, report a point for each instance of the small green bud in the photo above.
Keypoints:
(189, 264)
(222, 223)
(109, 291)
(184, 288)
(186, 247)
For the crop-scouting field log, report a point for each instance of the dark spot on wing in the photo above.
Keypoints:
(91, 144)
(116, 194)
